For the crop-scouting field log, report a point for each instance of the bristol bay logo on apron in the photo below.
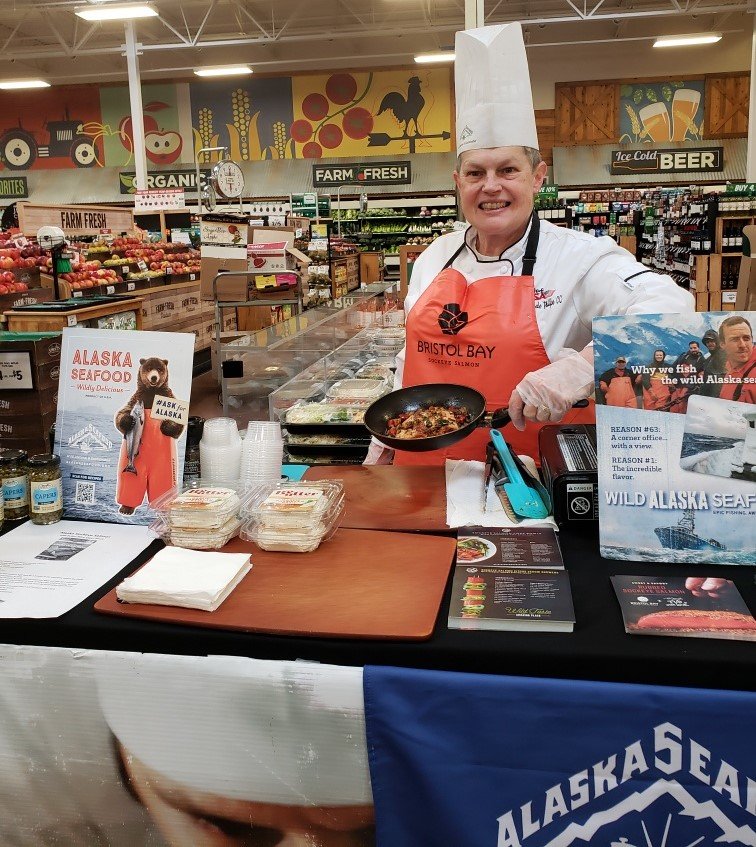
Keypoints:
(664, 807)
(452, 319)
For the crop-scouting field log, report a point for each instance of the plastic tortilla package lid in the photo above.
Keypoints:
(300, 506)
(206, 507)
(203, 538)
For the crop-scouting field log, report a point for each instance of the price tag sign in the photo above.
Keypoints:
(70, 320)
(131, 286)
(142, 265)
(110, 289)
(75, 294)
(15, 370)
(125, 269)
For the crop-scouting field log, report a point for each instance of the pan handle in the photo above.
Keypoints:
(500, 417)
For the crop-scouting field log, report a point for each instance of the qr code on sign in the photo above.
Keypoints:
(85, 493)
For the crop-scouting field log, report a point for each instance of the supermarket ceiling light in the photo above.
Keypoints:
(235, 70)
(120, 12)
(16, 84)
(431, 58)
(688, 40)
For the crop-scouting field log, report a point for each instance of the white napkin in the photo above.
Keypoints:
(464, 486)
(193, 579)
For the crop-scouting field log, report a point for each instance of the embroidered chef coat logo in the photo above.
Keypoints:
(542, 294)
(452, 319)
(465, 134)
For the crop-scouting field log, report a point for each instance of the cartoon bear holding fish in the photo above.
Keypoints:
(147, 463)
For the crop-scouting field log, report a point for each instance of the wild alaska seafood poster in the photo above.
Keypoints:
(676, 432)
(120, 431)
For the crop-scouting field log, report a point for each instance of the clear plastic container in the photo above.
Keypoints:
(203, 539)
(357, 389)
(318, 413)
(293, 517)
(201, 515)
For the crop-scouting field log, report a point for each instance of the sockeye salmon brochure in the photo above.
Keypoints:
(120, 430)
(676, 437)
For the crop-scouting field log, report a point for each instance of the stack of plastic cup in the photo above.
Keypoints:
(220, 451)
(262, 454)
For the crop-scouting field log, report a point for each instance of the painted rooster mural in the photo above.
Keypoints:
(405, 110)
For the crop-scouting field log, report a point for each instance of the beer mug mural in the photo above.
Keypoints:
(684, 108)
(655, 120)
(651, 113)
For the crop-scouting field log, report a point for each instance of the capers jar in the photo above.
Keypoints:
(45, 488)
(15, 482)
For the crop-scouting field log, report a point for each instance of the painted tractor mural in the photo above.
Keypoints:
(19, 149)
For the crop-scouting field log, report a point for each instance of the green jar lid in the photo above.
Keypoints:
(43, 460)
(11, 457)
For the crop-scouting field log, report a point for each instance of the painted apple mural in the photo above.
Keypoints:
(163, 147)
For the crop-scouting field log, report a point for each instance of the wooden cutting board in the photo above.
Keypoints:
(402, 498)
(360, 584)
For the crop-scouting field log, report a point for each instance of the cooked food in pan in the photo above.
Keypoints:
(428, 422)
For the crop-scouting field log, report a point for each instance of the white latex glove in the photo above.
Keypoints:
(378, 454)
(549, 393)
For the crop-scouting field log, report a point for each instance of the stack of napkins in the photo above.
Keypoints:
(464, 489)
(190, 578)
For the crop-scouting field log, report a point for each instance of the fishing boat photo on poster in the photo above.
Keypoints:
(676, 437)
(120, 429)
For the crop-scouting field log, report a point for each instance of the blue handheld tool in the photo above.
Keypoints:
(525, 500)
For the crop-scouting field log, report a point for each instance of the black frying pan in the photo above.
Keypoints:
(411, 399)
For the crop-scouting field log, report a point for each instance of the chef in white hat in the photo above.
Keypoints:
(506, 305)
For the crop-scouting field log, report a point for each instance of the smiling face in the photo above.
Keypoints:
(496, 188)
(737, 343)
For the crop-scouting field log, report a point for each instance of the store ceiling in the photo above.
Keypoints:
(279, 36)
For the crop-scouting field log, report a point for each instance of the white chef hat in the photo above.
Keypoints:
(272, 732)
(492, 89)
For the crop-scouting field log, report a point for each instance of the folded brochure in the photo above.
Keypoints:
(524, 546)
(691, 607)
(498, 597)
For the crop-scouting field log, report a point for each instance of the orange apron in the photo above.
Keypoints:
(656, 396)
(620, 392)
(156, 466)
(483, 335)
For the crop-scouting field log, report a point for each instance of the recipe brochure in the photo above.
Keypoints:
(120, 431)
(519, 598)
(676, 437)
(524, 546)
(691, 607)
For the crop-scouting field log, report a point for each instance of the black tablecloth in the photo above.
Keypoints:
(598, 649)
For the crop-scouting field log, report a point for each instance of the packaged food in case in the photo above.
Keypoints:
(293, 517)
(200, 515)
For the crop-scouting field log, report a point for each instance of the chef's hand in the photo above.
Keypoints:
(706, 586)
(549, 393)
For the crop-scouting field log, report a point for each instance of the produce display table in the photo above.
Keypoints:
(50, 321)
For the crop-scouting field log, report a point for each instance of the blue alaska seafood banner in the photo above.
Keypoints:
(676, 437)
(488, 761)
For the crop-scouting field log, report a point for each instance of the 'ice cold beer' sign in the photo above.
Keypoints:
(649, 161)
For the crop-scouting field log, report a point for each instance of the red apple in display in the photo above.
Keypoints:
(163, 148)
